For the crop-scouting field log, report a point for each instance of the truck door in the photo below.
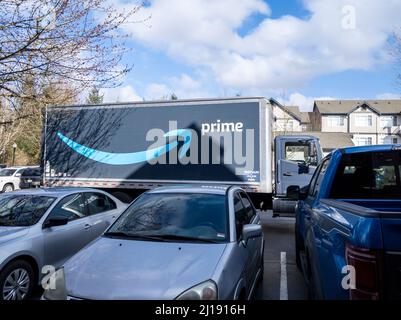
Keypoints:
(296, 161)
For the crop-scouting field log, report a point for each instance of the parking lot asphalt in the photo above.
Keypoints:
(281, 279)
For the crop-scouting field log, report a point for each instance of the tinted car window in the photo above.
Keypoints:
(197, 216)
(249, 210)
(240, 215)
(22, 210)
(7, 172)
(98, 202)
(71, 207)
(368, 175)
(31, 172)
(318, 177)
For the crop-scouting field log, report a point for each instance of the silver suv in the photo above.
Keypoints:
(41, 227)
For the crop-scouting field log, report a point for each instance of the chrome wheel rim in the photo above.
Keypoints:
(16, 286)
(8, 189)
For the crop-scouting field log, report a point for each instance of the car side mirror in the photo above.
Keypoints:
(55, 222)
(303, 168)
(297, 193)
(250, 231)
(17, 175)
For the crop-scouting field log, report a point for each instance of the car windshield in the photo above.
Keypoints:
(23, 210)
(184, 216)
(7, 172)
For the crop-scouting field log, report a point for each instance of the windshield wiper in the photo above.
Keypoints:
(121, 234)
(185, 238)
(156, 237)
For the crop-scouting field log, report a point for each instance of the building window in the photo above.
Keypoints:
(388, 121)
(389, 140)
(363, 141)
(363, 120)
(335, 121)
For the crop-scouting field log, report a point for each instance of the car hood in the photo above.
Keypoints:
(11, 233)
(128, 269)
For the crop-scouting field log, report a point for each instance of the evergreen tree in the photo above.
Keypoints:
(94, 96)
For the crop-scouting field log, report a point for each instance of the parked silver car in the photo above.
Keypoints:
(184, 242)
(41, 227)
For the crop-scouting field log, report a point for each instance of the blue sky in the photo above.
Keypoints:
(293, 50)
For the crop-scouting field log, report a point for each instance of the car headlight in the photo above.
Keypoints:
(56, 289)
(204, 291)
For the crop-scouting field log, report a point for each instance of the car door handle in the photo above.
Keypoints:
(87, 226)
(287, 174)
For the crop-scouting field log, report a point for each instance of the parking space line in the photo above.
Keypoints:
(283, 277)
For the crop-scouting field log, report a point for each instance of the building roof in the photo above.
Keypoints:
(348, 106)
(328, 140)
(293, 111)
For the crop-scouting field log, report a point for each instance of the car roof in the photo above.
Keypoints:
(54, 192)
(193, 188)
(373, 148)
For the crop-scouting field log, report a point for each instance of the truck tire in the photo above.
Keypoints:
(21, 271)
(8, 187)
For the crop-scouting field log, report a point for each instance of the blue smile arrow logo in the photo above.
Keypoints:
(133, 157)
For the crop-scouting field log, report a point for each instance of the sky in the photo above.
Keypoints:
(295, 51)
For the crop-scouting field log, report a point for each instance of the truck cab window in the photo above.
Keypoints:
(368, 175)
(301, 151)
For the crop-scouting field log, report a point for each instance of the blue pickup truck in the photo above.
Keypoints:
(348, 225)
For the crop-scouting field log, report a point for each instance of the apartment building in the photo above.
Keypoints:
(369, 122)
(289, 118)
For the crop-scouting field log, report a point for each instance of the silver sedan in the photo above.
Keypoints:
(189, 242)
(41, 227)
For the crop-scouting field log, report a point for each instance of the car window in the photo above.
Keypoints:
(71, 207)
(98, 202)
(31, 172)
(240, 215)
(368, 175)
(7, 172)
(318, 177)
(249, 210)
(196, 216)
(22, 210)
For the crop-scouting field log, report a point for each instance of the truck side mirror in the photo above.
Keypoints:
(297, 193)
(293, 192)
(303, 168)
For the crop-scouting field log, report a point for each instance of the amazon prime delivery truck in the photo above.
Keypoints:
(127, 148)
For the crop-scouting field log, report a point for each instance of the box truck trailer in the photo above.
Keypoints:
(127, 148)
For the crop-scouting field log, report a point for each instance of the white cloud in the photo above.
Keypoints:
(278, 54)
(303, 102)
(184, 87)
(388, 96)
(120, 94)
(157, 91)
